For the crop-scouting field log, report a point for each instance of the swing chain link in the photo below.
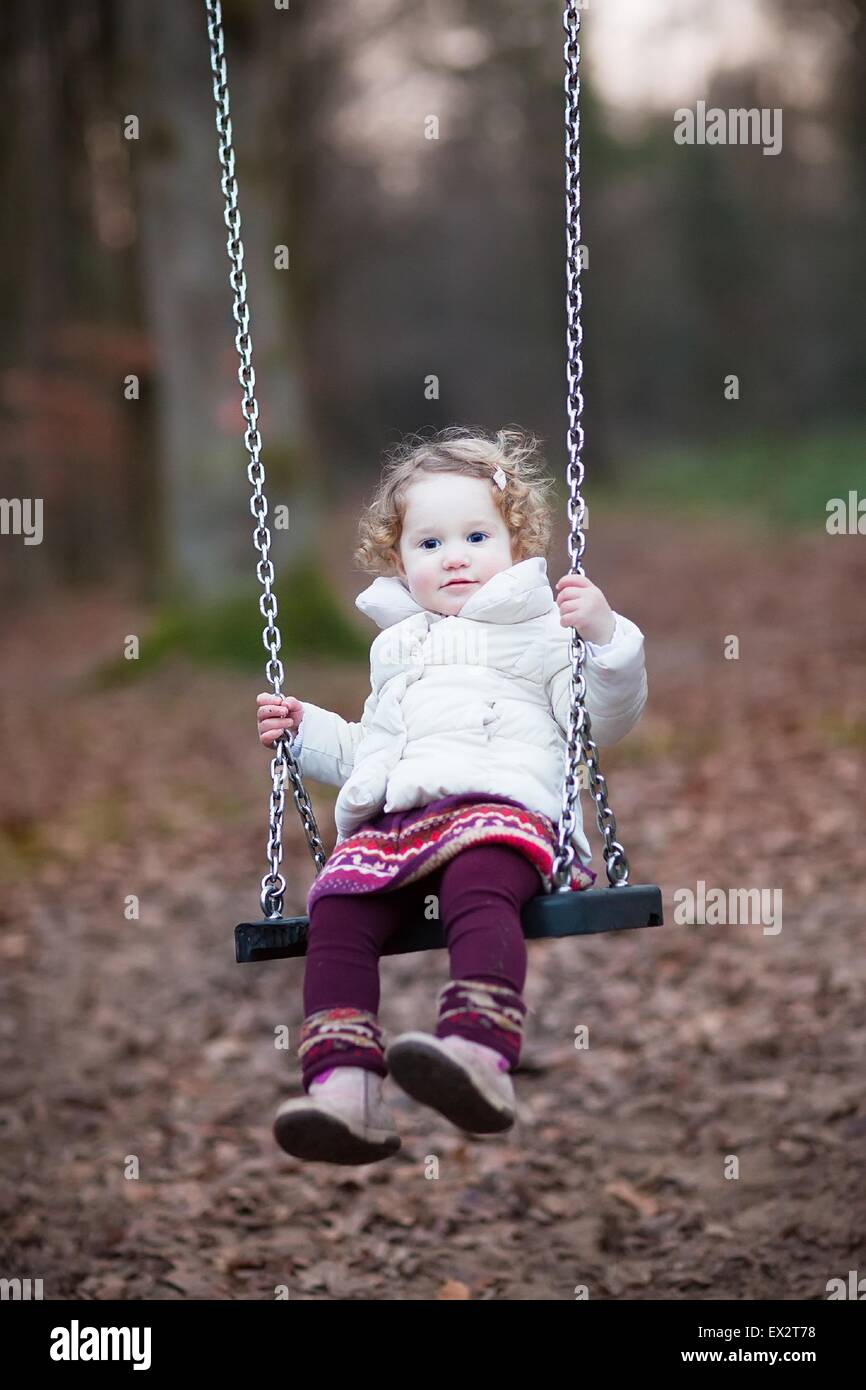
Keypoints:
(581, 745)
(283, 764)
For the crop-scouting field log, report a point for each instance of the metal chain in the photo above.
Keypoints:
(580, 741)
(283, 763)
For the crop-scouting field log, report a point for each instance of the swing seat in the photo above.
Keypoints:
(550, 915)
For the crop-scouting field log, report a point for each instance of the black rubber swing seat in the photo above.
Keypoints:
(550, 915)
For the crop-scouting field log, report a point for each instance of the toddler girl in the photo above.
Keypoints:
(450, 785)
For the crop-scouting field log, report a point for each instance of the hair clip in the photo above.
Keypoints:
(499, 478)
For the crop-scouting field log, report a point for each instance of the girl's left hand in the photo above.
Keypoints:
(584, 606)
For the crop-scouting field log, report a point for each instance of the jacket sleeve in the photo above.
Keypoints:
(616, 682)
(325, 744)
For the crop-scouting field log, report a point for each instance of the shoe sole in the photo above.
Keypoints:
(435, 1079)
(312, 1133)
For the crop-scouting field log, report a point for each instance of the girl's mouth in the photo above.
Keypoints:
(452, 583)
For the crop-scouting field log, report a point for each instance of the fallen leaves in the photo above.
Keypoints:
(145, 1038)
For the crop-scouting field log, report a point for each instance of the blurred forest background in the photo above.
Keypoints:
(410, 257)
(132, 814)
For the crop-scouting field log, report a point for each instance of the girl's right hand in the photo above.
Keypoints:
(276, 715)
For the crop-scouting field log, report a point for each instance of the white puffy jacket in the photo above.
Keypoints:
(477, 702)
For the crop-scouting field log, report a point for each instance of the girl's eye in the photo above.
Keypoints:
(482, 534)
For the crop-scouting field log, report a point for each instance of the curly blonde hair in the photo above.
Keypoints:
(524, 502)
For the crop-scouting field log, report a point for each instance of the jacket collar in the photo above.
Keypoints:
(511, 596)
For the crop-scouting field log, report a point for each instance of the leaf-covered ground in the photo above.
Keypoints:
(142, 1041)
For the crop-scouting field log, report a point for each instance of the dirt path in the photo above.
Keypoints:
(141, 1042)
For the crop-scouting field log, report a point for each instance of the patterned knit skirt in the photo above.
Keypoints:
(395, 848)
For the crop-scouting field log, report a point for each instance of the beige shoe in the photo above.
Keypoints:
(465, 1081)
(343, 1119)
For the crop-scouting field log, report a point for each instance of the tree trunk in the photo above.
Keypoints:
(207, 525)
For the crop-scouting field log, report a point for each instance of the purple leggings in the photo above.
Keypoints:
(481, 892)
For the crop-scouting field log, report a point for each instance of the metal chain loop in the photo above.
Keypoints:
(283, 765)
(580, 742)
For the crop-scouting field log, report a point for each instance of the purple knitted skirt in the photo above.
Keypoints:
(397, 847)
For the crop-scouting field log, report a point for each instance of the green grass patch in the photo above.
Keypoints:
(228, 633)
(840, 732)
(786, 482)
(27, 844)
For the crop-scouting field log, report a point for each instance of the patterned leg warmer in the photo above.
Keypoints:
(483, 1013)
(343, 1036)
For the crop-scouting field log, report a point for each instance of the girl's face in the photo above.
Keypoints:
(452, 531)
